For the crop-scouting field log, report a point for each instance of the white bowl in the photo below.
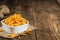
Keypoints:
(17, 29)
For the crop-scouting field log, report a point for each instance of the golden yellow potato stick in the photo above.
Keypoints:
(15, 20)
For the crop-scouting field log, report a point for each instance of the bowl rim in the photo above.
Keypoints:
(13, 26)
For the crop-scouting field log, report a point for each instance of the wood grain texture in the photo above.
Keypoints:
(48, 28)
(46, 18)
(43, 14)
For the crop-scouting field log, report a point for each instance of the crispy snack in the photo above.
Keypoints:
(15, 20)
(22, 33)
(11, 35)
(29, 31)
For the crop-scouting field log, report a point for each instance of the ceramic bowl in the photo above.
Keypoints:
(17, 29)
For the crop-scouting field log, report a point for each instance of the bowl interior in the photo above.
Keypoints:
(13, 26)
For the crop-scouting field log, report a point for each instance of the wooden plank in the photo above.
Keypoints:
(29, 37)
(29, 17)
(41, 16)
(37, 12)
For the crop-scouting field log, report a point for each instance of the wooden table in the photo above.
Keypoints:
(38, 12)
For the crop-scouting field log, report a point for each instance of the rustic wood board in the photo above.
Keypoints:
(41, 17)
(37, 13)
